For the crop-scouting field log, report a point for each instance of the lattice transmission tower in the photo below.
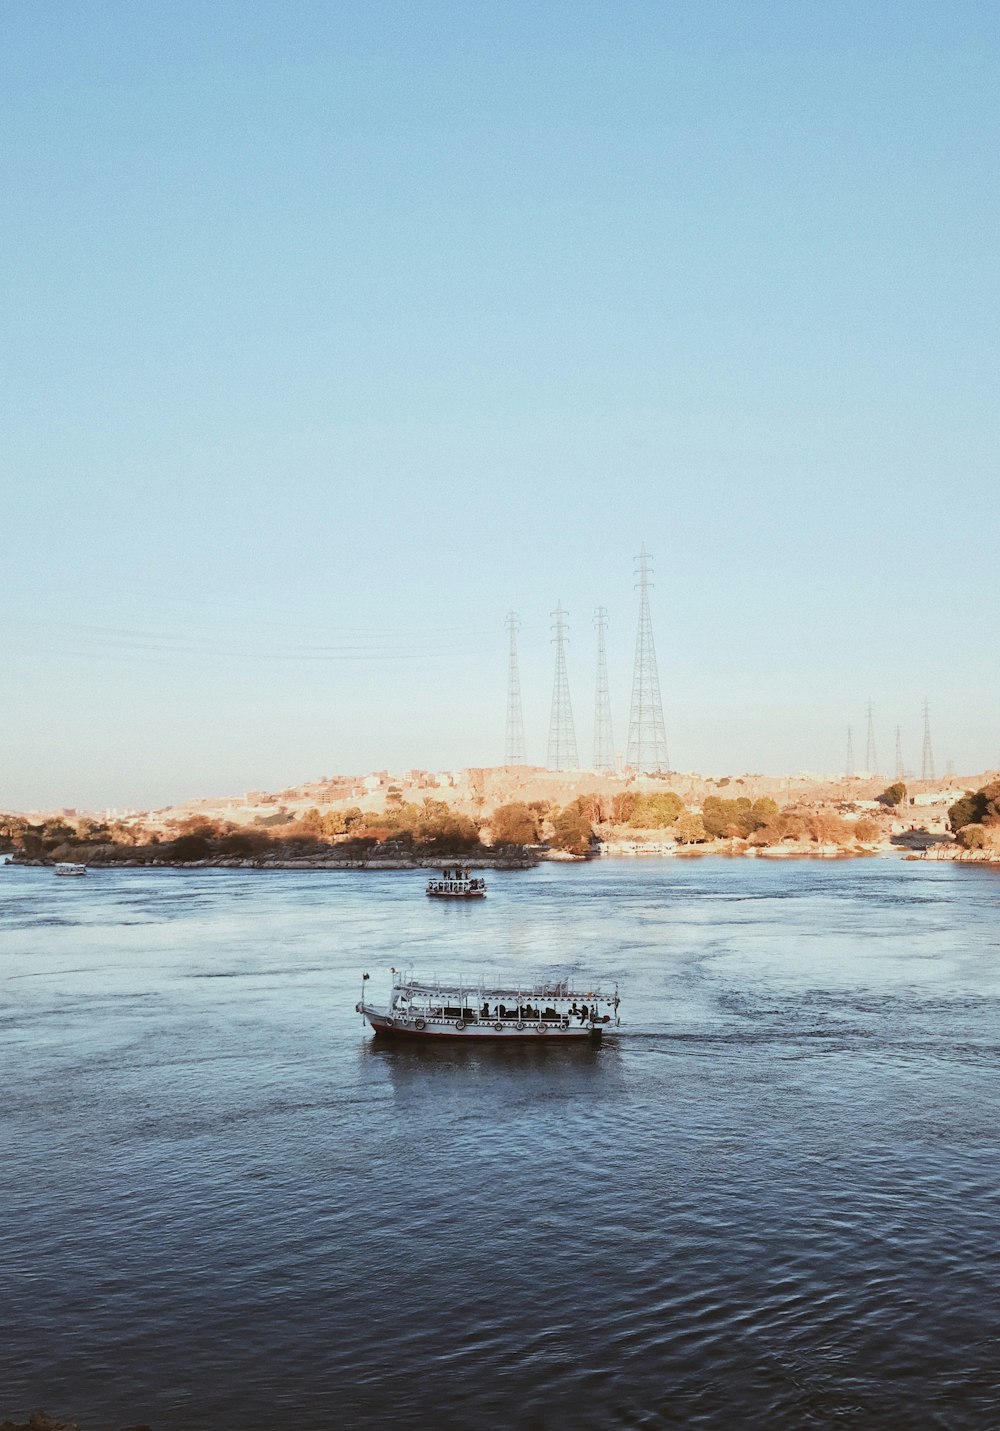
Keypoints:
(604, 741)
(647, 735)
(562, 733)
(849, 770)
(514, 746)
(900, 767)
(871, 756)
(927, 763)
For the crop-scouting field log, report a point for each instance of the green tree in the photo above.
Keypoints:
(593, 806)
(690, 829)
(623, 807)
(656, 811)
(450, 833)
(981, 807)
(515, 824)
(244, 844)
(310, 822)
(972, 837)
(12, 828)
(969, 810)
(893, 795)
(753, 817)
(737, 818)
(200, 825)
(56, 832)
(572, 831)
(991, 794)
(188, 848)
(722, 817)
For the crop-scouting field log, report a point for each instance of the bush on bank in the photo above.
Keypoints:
(979, 807)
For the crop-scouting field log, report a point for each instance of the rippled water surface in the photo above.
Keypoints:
(772, 1201)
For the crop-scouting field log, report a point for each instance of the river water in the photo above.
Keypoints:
(772, 1201)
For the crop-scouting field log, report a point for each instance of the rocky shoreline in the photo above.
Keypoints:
(958, 855)
(312, 862)
(726, 849)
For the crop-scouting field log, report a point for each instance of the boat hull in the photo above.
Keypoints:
(385, 1027)
(456, 894)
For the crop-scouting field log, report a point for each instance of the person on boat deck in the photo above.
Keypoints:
(584, 1013)
(574, 1011)
(484, 1012)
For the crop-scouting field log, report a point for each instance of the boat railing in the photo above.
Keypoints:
(524, 1015)
(453, 886)
(541, 995)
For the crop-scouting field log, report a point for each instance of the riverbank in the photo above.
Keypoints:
(938, 849)
(311, 862)
(956, 854)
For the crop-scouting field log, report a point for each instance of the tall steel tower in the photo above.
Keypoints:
(647, 736)
(871, 758)
(900, 768)
(849, 771)
(604, 742)
(514, 747)
(562, 733)
(927, 764)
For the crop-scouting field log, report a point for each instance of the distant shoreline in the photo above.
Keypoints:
(952, 855)
(387, 863)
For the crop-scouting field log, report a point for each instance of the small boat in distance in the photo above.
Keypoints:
(456, 882)
(551, 1012)
(66, 868)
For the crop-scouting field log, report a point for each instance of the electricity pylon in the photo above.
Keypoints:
(927, 764)
(900, 768)
(604, 742)
(647, 736)
(514, 747)
(871, 758)
(849, 772)
(562, 733)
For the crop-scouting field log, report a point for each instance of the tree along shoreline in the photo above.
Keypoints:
(726, 850)
(517, 835)
(721, 849)
(437, 862)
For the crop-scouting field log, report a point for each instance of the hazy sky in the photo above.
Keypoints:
(335, 330)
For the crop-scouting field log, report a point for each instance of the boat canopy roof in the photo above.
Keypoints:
(496, 992)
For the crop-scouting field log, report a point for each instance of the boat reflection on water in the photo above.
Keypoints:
(502, 1080)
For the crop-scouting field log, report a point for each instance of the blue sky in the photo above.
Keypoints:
(335, 331)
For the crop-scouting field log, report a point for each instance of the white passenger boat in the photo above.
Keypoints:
(456, 882)
(552, 1012)
(66, 868)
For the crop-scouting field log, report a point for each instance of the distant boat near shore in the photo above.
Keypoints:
(69, 869)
